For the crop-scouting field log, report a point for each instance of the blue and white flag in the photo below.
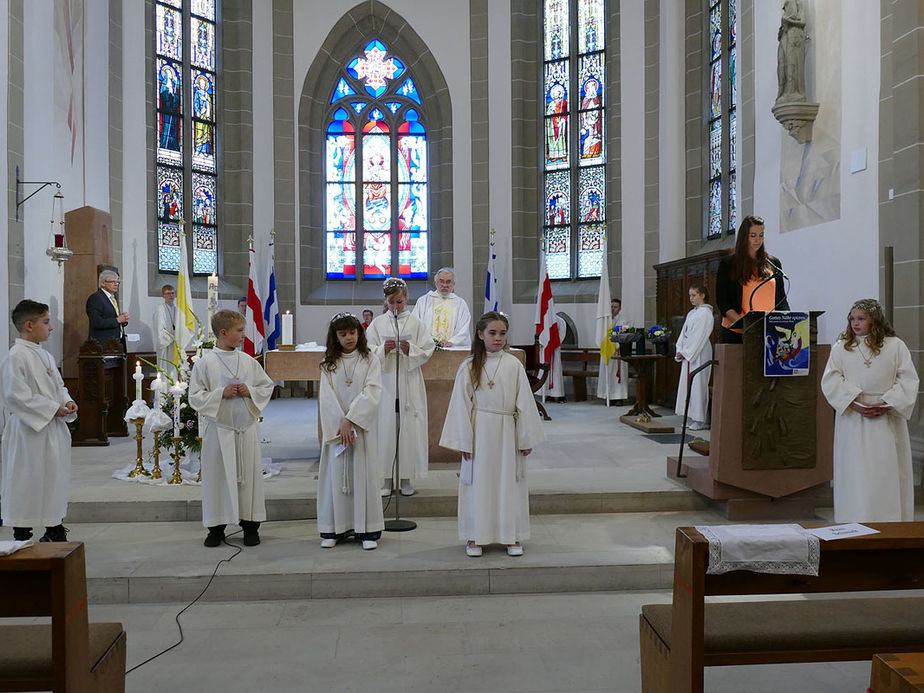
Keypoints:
(490, 287)
(270, 303)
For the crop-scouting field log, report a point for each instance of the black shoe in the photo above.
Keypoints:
(56, 533)
(22, 533)
(215, 537)
(251, 535)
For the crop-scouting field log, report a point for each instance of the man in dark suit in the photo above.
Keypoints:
(107, 319)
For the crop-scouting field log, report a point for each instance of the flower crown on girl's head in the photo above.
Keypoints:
(394, 283)
(871, 306)
(344, 314)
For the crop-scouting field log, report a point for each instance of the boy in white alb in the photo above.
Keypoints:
(36, 466)
(229, 390)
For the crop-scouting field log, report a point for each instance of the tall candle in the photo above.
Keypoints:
(212, 300)
(139, 376)
(157, 387)
(177, 394)
(288, 328)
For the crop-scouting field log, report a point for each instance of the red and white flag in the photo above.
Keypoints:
(253, 320)
(546, 326)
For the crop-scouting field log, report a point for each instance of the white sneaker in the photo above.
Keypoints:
(386, 489)
(515, 550)
(697, 426)
(328, 543)
(472, 550)
(369, 544)
(406, 488)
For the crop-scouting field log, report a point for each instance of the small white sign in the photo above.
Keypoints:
(132, 337)
(851, 529)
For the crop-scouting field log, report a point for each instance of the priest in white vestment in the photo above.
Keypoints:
(615, 382)
(164, 322)
(348, 482)
(492, 424)
(873, 393)
(36, 444)
(693, 350)
(401, 349)
(444, 313)
(232, 470)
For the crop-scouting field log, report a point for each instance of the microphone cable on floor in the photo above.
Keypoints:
(238, 549)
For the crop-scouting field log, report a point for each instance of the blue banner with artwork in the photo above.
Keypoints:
(787, 343)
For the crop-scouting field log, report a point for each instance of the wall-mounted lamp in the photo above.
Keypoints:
(20, 200)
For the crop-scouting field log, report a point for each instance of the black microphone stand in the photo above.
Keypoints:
(398, 525)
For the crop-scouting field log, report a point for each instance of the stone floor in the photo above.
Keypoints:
(416, 614)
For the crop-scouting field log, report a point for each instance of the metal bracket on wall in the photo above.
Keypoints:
(20, 200)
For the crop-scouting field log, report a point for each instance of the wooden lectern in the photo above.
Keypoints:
(771, 448)
(101, 394)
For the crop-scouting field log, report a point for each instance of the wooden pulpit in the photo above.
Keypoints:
(101, 393)
(771, 447)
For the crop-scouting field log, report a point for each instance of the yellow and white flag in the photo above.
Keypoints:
(184, 331)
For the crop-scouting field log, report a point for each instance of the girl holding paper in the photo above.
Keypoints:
(348, 473)
(872, 385)
(493, 421)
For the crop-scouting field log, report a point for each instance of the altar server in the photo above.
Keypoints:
(616, 383)
(36, 441)
(693, 349)
(229, 390)
(349, 470)
(872, 385)
(492, 420)
(402, 349)
(164, 328)
(446, 315)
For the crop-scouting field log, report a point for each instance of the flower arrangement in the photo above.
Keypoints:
(438, 345)
(623, 333)
(658, 334)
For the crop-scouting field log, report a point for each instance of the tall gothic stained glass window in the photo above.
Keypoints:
(377, 219)
(574, 149)
(186, 170)
(721, 118)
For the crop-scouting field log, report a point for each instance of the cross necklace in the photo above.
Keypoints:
(497, 368)
(866, 361)
(349, 376)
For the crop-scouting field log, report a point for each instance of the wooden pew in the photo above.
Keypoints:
(70, 655)
(677, 640)
(580, 364)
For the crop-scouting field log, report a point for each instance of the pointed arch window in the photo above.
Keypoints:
(186, 172)
(574, 148)
(376, 172)
(721, 118)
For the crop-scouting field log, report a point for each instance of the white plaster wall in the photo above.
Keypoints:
(500, 165)
(631, 65)
(834, 263)
(263, 179)
(4, 176)
(671, 165)
(96, 105)
(444, 26)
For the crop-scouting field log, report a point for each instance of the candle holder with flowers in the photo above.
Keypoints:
(625, 336)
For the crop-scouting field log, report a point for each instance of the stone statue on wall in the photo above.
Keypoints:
(791, 108)
(791, 53)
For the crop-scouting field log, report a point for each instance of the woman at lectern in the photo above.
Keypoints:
(748, 279)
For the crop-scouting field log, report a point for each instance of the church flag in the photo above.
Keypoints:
(184, 329)
(604, 312)
(490, 287)
(253, 320)
(546, 326)
(271, 305)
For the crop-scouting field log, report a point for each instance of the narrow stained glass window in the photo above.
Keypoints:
(721, 132)
(377, 164)
(574, 142)
(186, 125)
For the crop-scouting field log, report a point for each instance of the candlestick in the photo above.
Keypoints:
(176, 478)
(288, 328)
(138, 376)
(155, 473)
(139, 469)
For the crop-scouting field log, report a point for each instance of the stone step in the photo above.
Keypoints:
(155, 562)
(426, 503)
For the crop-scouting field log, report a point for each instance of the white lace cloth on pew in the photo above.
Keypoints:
(8, 547)
(780, 549)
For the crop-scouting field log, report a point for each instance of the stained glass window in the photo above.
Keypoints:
(574, 143)
(186, 169)
(376, 118)
(721, 201)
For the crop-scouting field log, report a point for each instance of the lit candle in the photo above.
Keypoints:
(139, 376)
(212, 300)
(157, 387)
(288, 328)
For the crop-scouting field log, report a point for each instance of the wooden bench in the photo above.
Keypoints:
(70, 655)
(580, 364)
(677, 640)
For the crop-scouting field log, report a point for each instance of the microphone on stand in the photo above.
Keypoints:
(398, 525)
(777, 269)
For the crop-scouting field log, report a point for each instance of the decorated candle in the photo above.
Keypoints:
(288, 328)
(157, 387)
(212, 300)
(139, 376)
